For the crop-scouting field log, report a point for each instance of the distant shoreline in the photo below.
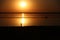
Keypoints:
(30, 12)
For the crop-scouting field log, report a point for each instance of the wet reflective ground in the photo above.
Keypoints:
(31, 19)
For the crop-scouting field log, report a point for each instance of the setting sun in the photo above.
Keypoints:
(23, 4)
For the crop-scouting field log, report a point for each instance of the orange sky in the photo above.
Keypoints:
(32, 6)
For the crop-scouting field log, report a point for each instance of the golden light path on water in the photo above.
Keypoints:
(22, 5)
(22, 20)
(28, 20)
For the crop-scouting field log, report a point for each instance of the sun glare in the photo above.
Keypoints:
(23, 4)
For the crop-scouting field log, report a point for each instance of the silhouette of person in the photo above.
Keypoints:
(21, 25)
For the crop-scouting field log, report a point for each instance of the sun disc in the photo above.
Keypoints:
(23, 4)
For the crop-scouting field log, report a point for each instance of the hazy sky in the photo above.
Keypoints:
(33, 6)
